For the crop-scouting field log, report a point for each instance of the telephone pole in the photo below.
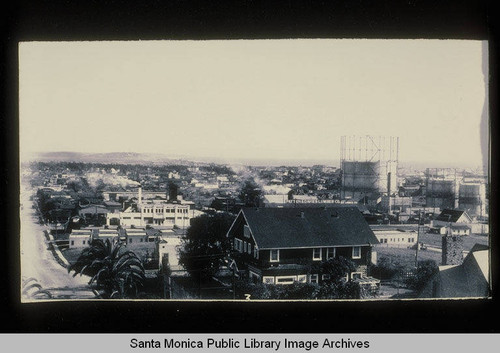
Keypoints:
(418, 238)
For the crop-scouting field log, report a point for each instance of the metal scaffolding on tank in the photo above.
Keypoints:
(369, 165)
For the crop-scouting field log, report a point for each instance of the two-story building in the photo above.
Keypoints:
(284, 245)
(154, 213)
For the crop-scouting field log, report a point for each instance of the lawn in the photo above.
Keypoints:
(469, 240)
(407, 256)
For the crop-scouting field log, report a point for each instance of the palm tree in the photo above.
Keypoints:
(31, 289)
(114, 273)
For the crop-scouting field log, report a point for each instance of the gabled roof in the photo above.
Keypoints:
(460, 227)
(470, 279)
(299, 227)
(478, 247)
(448, 215)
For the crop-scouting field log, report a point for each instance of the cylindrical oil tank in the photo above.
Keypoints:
(378, 176)
(360, 176)
(472, 198)
(441, 187)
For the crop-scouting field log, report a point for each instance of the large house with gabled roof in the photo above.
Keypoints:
(282, 245)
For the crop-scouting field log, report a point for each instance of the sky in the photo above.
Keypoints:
(255, 99)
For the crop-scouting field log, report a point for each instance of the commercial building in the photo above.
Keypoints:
(395, 238)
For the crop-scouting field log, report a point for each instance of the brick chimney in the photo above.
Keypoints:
(452, 248)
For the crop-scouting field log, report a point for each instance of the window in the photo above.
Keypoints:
(244, 246)
(268, 280)
(255, 252)
(249, 248)
(274, 256)
(72, 242)
(130, 240)
(246, 231)
(317, 254)
(285, 280)
(330, 253)
(83, 242)
(237, 244)
(313, 278)
(356, 252)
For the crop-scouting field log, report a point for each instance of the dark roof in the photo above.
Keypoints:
(308, 227)
(458, 226)
(479, 247)
(448, 215)
(465, 280)
(453, 283)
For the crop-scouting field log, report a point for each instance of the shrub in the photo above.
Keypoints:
(426, 269)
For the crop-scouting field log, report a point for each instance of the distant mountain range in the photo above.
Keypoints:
(162, 159)
(110, 157)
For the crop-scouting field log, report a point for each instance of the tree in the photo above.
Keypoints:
(337, 268)
(217, 204)
(386, 268)
(114, 273)
(206, 246)
(31, 289)
(336, 286)
(250, 193)
(426, 269)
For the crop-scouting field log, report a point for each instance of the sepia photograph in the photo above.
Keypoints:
(254, 170)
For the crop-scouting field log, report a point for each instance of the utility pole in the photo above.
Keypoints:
(234, 284)
(418, 238)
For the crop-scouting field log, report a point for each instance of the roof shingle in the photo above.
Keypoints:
(308, 227)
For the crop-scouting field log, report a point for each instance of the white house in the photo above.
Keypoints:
(168, 247)
(459, 221)
(80, 238)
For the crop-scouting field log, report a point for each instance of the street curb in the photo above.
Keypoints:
(55, 250)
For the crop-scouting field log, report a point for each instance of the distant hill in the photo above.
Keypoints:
(161, 159)
(111, 157)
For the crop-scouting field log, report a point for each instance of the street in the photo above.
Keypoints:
(38, 262)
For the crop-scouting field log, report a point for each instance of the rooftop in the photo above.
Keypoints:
(308, 227)
(448, 215)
